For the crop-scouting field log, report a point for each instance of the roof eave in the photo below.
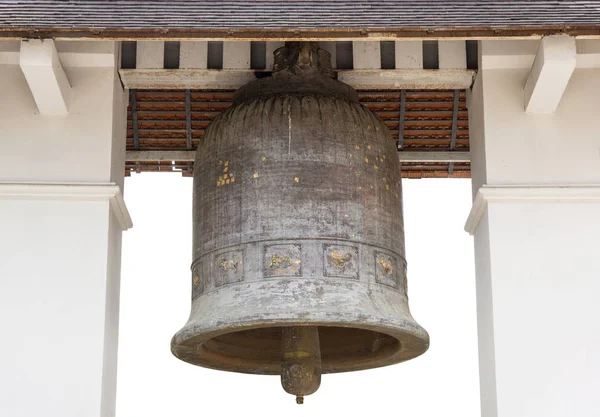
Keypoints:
(119, 33)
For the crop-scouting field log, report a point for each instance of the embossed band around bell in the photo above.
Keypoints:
(298, 233)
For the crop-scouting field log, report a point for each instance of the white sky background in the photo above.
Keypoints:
(155, 303)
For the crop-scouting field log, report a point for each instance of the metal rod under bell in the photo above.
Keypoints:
(300, 361)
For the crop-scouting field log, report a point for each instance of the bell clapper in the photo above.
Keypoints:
(300, 361)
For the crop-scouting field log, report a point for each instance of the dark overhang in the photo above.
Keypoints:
(303, 19)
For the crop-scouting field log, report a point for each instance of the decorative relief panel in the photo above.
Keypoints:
(282, 260)
(229, 268)
(387, 270)
(340, 261)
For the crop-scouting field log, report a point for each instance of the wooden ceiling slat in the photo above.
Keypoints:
(427, 122)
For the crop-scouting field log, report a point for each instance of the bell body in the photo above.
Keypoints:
(298, 222)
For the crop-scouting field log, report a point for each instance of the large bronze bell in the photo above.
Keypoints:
(298, 248)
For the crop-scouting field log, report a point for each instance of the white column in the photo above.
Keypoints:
(536, 224)
(61, 219)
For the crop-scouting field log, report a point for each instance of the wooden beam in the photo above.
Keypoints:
(225, 79)
(454, 127)
(434, 156)
(188, 156)
(162, 79)
(161, 156)
(45, 75)
(408, 79)
(134, 118)
(401, 119)
(551, 71)
(188, 119)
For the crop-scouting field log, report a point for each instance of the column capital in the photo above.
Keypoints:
(70, 192)
(529, 194)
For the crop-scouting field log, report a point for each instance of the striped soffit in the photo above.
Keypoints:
(430, 128)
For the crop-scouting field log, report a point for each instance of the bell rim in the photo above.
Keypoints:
(413, 341)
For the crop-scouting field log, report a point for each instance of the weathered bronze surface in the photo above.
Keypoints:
(298, 223)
